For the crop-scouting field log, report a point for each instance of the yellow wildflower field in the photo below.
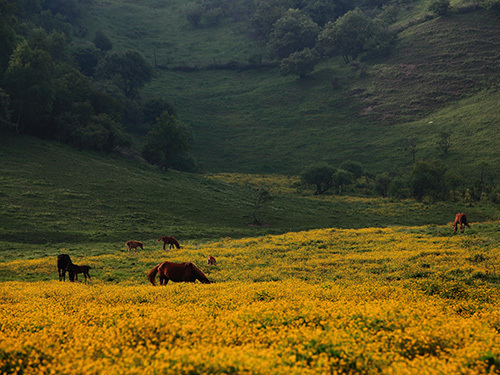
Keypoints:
(371, 301)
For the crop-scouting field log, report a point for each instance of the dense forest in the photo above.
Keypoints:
(64, 78)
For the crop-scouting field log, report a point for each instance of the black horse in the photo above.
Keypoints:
(63, 260)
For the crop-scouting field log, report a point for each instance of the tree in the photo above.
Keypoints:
(194, 12)
(354, 167)
(293, 32)
(352, 34)
(130, 66)
(266, 13)
(440, 7)
(29, 81)
(428, 179)
(382, 183)
(260, 197)
(154, 108)
(341, 179)
(320, 175)
(102, 41)
(87, 57)
(444, 141)
(410, 144)
(299, 63)
(168, 144)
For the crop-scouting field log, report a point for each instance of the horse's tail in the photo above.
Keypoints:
(152, 274)
(200, 275)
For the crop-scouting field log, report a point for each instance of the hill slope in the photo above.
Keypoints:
(53, 197)
(259, 121)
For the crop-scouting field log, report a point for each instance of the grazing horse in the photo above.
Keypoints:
(462, 220)
(62, 262)
(177, 272)
(169, 240)
(79, 269)
(134, 245)
(211, 261)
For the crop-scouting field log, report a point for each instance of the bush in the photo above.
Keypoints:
(440, 7)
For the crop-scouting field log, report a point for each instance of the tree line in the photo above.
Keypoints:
(81, 93)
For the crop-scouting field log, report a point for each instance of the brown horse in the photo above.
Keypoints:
(134, 245)
(211, 261)
(79, 269)
(62, 262)
(177, 272)
(461, 219)
(169, 240)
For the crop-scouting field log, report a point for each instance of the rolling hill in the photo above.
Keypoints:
(442, 75)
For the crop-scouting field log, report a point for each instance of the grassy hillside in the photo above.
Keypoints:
(54, 197)
(442, 75)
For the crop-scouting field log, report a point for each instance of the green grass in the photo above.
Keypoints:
(53, 197)
(440, 76)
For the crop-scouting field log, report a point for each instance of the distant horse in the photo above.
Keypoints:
(169, 240)
(211, 261)
(79, 269)
(62, 262)
(134, 245)
(177, 272)
(461, 219)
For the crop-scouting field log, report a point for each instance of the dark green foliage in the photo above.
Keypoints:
(492, 5)
(153, 109)
(68, 8)
(29, 81)
(4, 109)
(102, 41)
(101, 133)
(352, 34)
(131, 68)
(265, 15)
(341, 179)
(260, 197)
(293, 32)
(428, 179)
(440, 7)
(320, 175)
(7, 34)
(87, 56)
(168, 143)
(193, 12)
(444, 141)
(300, 63)
(353, 167)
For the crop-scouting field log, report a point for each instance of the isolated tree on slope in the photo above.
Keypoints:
(168, 144)
(352, 34)
(291, 33)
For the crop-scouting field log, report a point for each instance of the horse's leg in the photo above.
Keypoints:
(164, 243)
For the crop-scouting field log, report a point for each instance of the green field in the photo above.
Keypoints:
(442, 75)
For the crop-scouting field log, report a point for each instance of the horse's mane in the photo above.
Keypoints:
(152, 274)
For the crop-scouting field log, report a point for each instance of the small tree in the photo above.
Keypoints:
(352, 34)
(194, 12)
(410, 144)
(320, 175)
(168, 144)
(444, 141)
(440, 7)
(428, 179)
(300, 63)
(260, 197)
(341, 179)
(291, 33)
(102, 42)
